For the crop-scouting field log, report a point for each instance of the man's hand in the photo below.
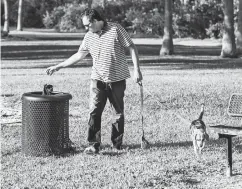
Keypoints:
(137, 76)
(51, 70)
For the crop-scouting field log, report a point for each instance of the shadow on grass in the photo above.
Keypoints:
(107, 150)
(11, 152)
(113, 153)
(238, 148)
(68, 153)
(181, 50)
(185, 57)
(186, 144)
(33, 52)
(191, 181)
(236, 174)
(64, 51)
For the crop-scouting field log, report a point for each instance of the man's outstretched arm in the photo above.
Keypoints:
(70, 61)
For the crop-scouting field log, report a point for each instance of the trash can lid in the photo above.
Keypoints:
(55, 96)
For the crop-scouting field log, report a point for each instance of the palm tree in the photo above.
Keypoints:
(228, 43)
(6, 18)
(167, 44)
(19, 23)
(239, 32)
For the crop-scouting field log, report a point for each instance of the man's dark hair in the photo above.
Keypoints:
(92, 14)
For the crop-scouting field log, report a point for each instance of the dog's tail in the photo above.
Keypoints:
(202, 112)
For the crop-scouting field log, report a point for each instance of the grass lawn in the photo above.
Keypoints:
(169, 162)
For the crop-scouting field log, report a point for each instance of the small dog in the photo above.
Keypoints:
(48, 89)
(199, 134)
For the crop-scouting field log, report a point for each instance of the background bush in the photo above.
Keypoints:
(65, 18)
(138, 17)
(200, 21)
(31, 14)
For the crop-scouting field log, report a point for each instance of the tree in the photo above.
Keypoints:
(6, 18)
(228, 42)
(239, 31)
(20, 19)
(89, 4)
(167, 44)
(99, 3)
(103, 4)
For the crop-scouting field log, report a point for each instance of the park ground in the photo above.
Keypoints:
(178, 84)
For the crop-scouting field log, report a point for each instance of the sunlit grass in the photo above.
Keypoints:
(168, 163)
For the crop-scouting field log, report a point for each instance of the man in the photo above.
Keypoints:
(106, 42)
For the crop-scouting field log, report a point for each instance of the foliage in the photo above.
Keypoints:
(31, 14)
(198, 21)
(65, 18)
(51, 20)
(147, 17)
(215, 30)
(113, 12)
(142, 18)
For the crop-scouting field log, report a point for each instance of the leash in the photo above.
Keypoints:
(144, 142)
(142, 106)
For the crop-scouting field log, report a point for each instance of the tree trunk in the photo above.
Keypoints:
(6, 18)
(103, 3)
(89, 4)
(239, 32)
(167, 44)
(228, 42)
(19, 23)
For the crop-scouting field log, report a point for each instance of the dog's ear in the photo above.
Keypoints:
(193, 123)
(202, 124)
(206, 136)
(48, 89)
(44, 90)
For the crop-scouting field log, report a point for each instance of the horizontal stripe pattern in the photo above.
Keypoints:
(107, 49)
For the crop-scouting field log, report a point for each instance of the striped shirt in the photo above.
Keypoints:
(107, 49)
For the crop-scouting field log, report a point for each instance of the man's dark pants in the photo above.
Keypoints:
(99, 93)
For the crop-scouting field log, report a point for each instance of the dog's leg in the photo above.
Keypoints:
(195, 145)
(197, 152)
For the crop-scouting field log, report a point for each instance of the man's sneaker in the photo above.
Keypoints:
(91, 150)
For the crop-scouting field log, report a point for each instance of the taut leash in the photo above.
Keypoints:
(144, 142)
(142, 106)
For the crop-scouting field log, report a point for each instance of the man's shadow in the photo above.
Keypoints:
(107, 150)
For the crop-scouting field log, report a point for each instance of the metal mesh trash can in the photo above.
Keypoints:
(45, 123)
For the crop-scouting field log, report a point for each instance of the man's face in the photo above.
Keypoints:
(89, 26)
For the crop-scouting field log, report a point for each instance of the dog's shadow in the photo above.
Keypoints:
(161, 145)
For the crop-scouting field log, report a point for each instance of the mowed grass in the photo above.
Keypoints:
(169, 162)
